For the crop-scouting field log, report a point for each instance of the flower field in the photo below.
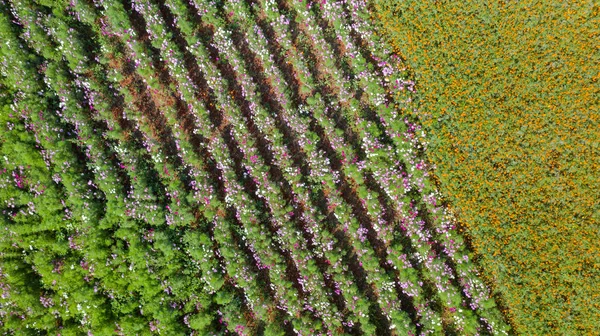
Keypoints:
(205, 167)
(508, 95)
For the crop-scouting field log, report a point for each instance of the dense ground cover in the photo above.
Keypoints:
(509, 98)
(219, 167)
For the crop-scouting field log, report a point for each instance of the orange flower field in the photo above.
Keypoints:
(508, 95)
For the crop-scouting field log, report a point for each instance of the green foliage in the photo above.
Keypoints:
(200, 322)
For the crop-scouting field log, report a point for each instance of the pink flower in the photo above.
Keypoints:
(153, 326)
(239, 328)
